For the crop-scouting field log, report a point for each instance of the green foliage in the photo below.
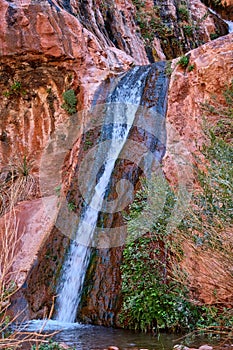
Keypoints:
(58, 190)
(51, 345)
(88, 141)
(26, 166)
(71, 206)
(216, 199)
(214, 36)
(154, 297)
(183, 12)
(148, 304)
(188, 30)
(190, 67)
(184, 61)
(16, 86)
(150, 22)
(22, 167)
(168, 69)
(153, 301)
(70, 101)
(215, 204)
(15, 89)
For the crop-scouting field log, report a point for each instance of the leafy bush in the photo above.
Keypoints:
(184, 61)
(70, 101)
(153, 300)
(168, 69)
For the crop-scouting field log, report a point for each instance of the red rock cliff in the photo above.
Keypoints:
(49, 47)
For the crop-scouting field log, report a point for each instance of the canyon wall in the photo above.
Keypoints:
(188, 92)
(50, 47)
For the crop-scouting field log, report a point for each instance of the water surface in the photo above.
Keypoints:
(88, 337)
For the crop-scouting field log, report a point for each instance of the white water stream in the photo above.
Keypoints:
(76, 263)
(229, 23)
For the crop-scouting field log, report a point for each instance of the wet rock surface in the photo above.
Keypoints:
(224, 8)
(49, 47)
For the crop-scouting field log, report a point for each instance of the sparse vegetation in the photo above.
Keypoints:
(17, 182)
(214, 36)
(15, 89)
(188, 30)
(70, 101)
(10, 242)
(183, 12)
(184, 61)
(71, 206)
(168, 69)
(191, 67)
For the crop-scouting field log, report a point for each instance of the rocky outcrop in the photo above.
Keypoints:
(171, 28)
(49, 47)
(44, 52)
(213, 69)
(223, 7)
(76, 46)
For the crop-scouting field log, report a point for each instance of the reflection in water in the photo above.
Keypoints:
(87, 337)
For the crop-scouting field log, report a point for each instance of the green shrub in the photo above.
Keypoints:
(71, 206)
(190, 67)
(188, 30)
(184, 61)
(70, 101)
(184, 13)
(16, 86)
(214, 36)
(168, 69)
(152, 299)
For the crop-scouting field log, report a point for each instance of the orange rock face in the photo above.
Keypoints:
(49, 48)
(213, 68)
(30, 225)
(48, 51)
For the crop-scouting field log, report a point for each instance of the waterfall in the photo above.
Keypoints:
(128, 91)
(229, 23)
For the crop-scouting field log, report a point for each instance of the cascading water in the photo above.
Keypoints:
(128, 91)
(229, 23)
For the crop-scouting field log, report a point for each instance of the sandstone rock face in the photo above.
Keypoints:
(33, 225)
(47, 51)
(213, 69)
(176, 27)
(49, 47)
(44, 51)
(76, 46)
